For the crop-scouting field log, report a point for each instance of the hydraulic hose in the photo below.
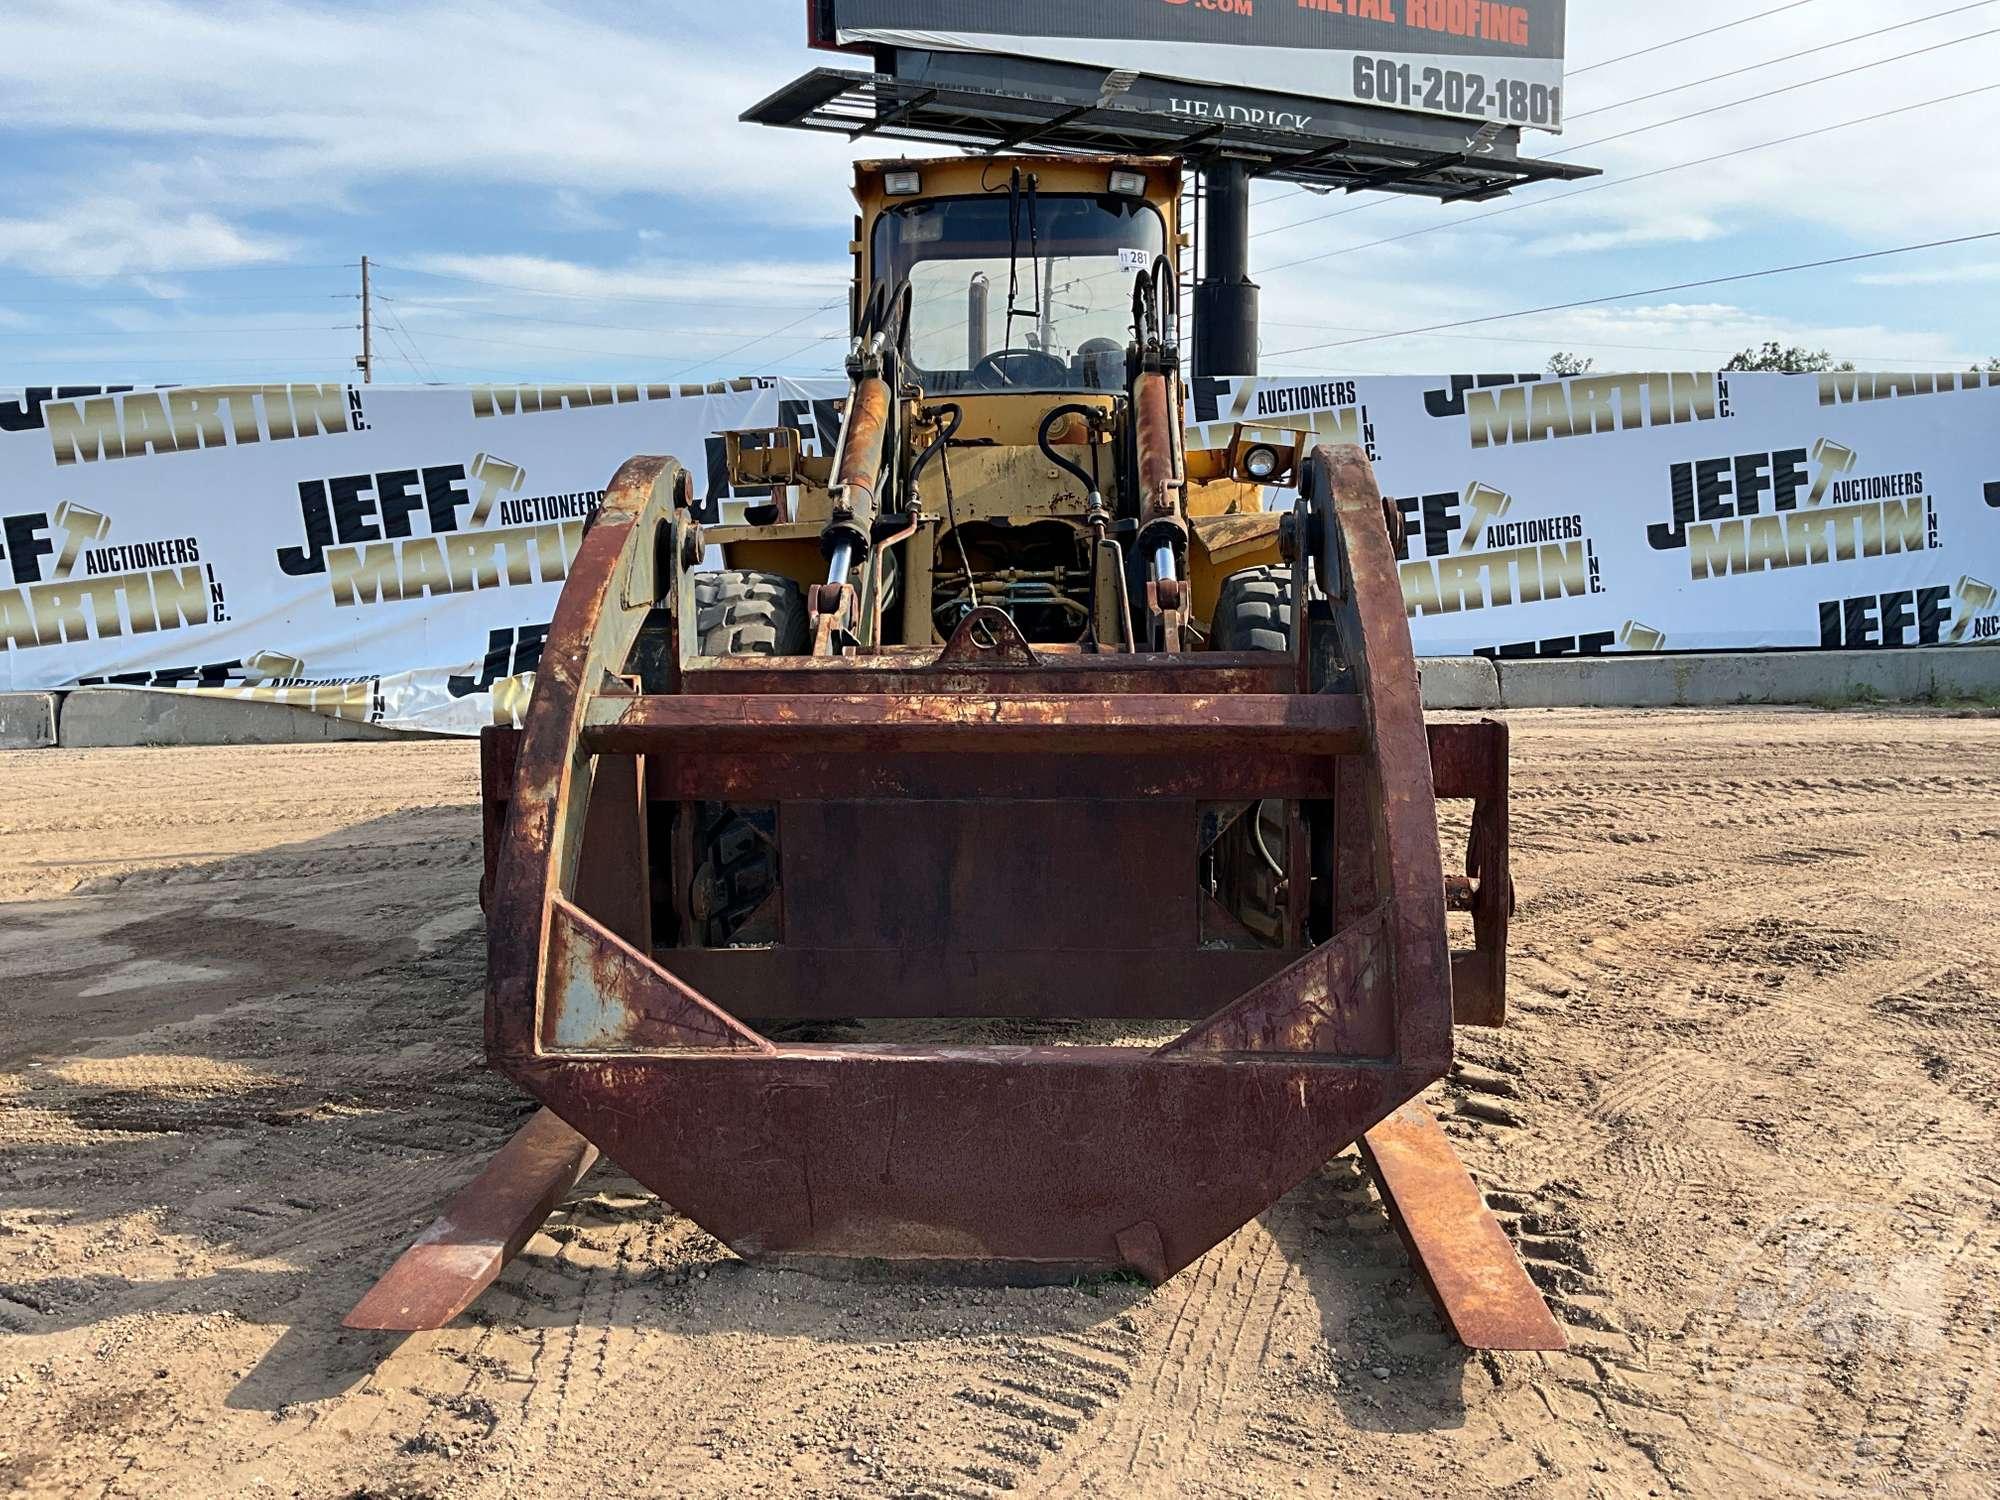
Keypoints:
(1091, 415)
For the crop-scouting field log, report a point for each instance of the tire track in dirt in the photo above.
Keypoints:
(1191, 1385)
(1672, 1101)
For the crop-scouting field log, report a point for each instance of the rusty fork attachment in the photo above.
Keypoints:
(994, 830)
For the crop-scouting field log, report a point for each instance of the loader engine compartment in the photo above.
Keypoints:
(1039, 574)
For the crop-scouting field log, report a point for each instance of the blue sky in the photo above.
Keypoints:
(562, 191)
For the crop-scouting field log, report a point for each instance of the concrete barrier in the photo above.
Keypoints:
(27, 721)
(1964, 672)
(1717, 681)
(1458, 682)
(105, 717)
(100, 718)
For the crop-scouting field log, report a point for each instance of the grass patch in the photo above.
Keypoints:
(1979, 703)
(1861, 696)
(1984, 698)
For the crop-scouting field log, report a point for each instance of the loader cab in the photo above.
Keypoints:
(1020, 269)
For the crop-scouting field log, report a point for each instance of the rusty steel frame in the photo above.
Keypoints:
(1026, 1162)
(483, 1227)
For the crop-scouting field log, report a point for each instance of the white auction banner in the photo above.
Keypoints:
(1548, 516)
(393, 554)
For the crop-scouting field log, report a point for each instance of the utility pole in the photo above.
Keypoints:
(366, 363)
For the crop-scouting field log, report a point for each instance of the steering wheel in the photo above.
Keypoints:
(1018, 367)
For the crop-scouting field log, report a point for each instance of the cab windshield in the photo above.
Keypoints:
(1019, 291)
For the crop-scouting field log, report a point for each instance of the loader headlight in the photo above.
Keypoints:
(1260, 462)
(1129, 184)
(902, 184)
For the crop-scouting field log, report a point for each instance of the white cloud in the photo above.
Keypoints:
(278, 104)
(105, 235)
(569, 209)
(765, 284)
(1677, 229)
(1936, 276)
(652, 317)
(1331, 328)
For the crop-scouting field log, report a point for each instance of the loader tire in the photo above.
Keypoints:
(741, 613)
(1253, 612)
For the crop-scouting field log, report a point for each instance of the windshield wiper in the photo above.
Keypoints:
(1034, 313)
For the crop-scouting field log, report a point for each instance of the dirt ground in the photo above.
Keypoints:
(1742, 1122)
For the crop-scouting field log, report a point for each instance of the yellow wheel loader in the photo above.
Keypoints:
(1009, 707)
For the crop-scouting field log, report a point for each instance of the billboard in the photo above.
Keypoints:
(1479, 60)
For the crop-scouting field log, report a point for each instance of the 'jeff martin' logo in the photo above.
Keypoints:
(266, 677)
(83, 586)
(80, 526)
(1631, 636)
(1636, 637)
(1912, 616)
(409, 533)
(1977, 620)
(1790, 508)
(506, 673)
(266, 667)
(124, 423)
(1513, 409)
(1331, 409)
(1492, 560)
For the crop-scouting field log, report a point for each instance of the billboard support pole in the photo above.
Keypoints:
(1225, 299)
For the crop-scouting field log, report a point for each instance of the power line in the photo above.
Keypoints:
(405, 331)
(1772, 62)
(611, 327)
(403, 351)
(1570, 73)
(1654, 291)
(1691, 36)
(445, 307)
(732, 353)
(1581, 340)
(391, 317)
(804, 348)
(1789, 88)
(1598, 187)
(534, 291)
(1340, 213)
(467, 338)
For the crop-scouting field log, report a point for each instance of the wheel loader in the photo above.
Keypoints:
(1010, 848)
